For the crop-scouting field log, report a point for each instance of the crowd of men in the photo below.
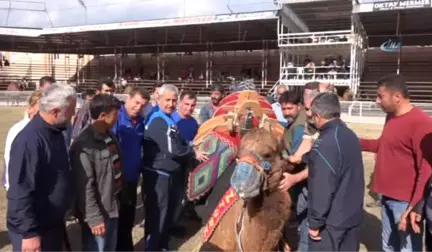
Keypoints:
(328, 182)
(93, 171)
(92, 167)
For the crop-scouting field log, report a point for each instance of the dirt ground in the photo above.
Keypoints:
(371, 228)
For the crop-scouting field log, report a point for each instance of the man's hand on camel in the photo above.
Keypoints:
(98, 229)
(31, 244)
(201, 156)
(314, 235)
(294, 159)
(288, 181)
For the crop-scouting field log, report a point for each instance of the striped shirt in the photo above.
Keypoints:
(115, 159)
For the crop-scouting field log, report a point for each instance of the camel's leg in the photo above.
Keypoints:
(224, 236)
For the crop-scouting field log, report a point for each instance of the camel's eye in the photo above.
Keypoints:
(267, 156)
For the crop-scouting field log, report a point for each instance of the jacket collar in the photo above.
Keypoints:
(40, 122)
(331, 124)
(124, 116)
(96, 135)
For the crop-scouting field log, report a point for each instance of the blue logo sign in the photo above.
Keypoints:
(391, 46)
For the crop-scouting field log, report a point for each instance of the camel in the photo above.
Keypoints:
(210, 182)
(253, 223)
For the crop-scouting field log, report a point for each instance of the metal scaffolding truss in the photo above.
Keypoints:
(346, 44)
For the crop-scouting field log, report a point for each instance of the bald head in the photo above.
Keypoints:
(280, 90)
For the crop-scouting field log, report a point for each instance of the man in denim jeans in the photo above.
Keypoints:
(97, 172)
(402, 166)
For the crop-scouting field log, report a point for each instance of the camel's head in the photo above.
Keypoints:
(258, 168)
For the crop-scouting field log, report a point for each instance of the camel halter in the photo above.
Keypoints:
(251, 159)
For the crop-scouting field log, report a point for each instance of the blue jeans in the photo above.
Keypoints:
(302, 218)
(303, 229)
(392, 238)
(108, 242)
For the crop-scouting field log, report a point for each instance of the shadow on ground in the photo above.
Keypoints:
(192, 227)
(4, 240)
(370, 234)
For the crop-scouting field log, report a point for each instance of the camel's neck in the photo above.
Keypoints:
(264, 220)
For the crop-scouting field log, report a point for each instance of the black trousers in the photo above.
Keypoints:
(337, 239)
(164, 194)
(428, 237)
(126, 219)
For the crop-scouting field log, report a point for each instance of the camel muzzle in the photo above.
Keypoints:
(250, 177)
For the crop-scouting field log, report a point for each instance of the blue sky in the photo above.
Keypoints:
(59, 13)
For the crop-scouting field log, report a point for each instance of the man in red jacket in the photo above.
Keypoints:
(401, 167)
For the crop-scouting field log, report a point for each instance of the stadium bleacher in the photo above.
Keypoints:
(415, 66)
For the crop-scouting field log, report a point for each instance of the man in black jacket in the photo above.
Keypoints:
(336, 182)
(39, 175)
(97, 172)
(164, 155)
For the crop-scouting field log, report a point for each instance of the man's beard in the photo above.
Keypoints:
(215, 101)
(387, 109)
(311, 123)
(289, 119)
(62, 122)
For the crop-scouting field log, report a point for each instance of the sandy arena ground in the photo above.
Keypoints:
(371, 229)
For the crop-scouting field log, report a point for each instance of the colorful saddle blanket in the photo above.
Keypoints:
(226, 202)
(222, 151)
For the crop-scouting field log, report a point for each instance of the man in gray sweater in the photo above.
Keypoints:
(97, 172)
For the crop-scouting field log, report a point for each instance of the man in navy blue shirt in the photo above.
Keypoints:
(129, 131)
(39, 194)
(335, 178)
(188, 128)
(186, 123)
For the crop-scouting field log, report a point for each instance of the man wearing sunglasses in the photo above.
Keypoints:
(335, 177)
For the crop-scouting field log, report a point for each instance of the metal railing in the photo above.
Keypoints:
(299, 76)
(352, 111)
(315, 38)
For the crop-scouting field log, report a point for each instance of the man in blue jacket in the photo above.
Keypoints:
(39, 194)
(164, 158)
(186, 123)
(129, 131)
(188, 128)
(336, 181)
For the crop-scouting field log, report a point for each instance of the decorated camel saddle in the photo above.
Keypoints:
(240, 170)
(220, 136)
